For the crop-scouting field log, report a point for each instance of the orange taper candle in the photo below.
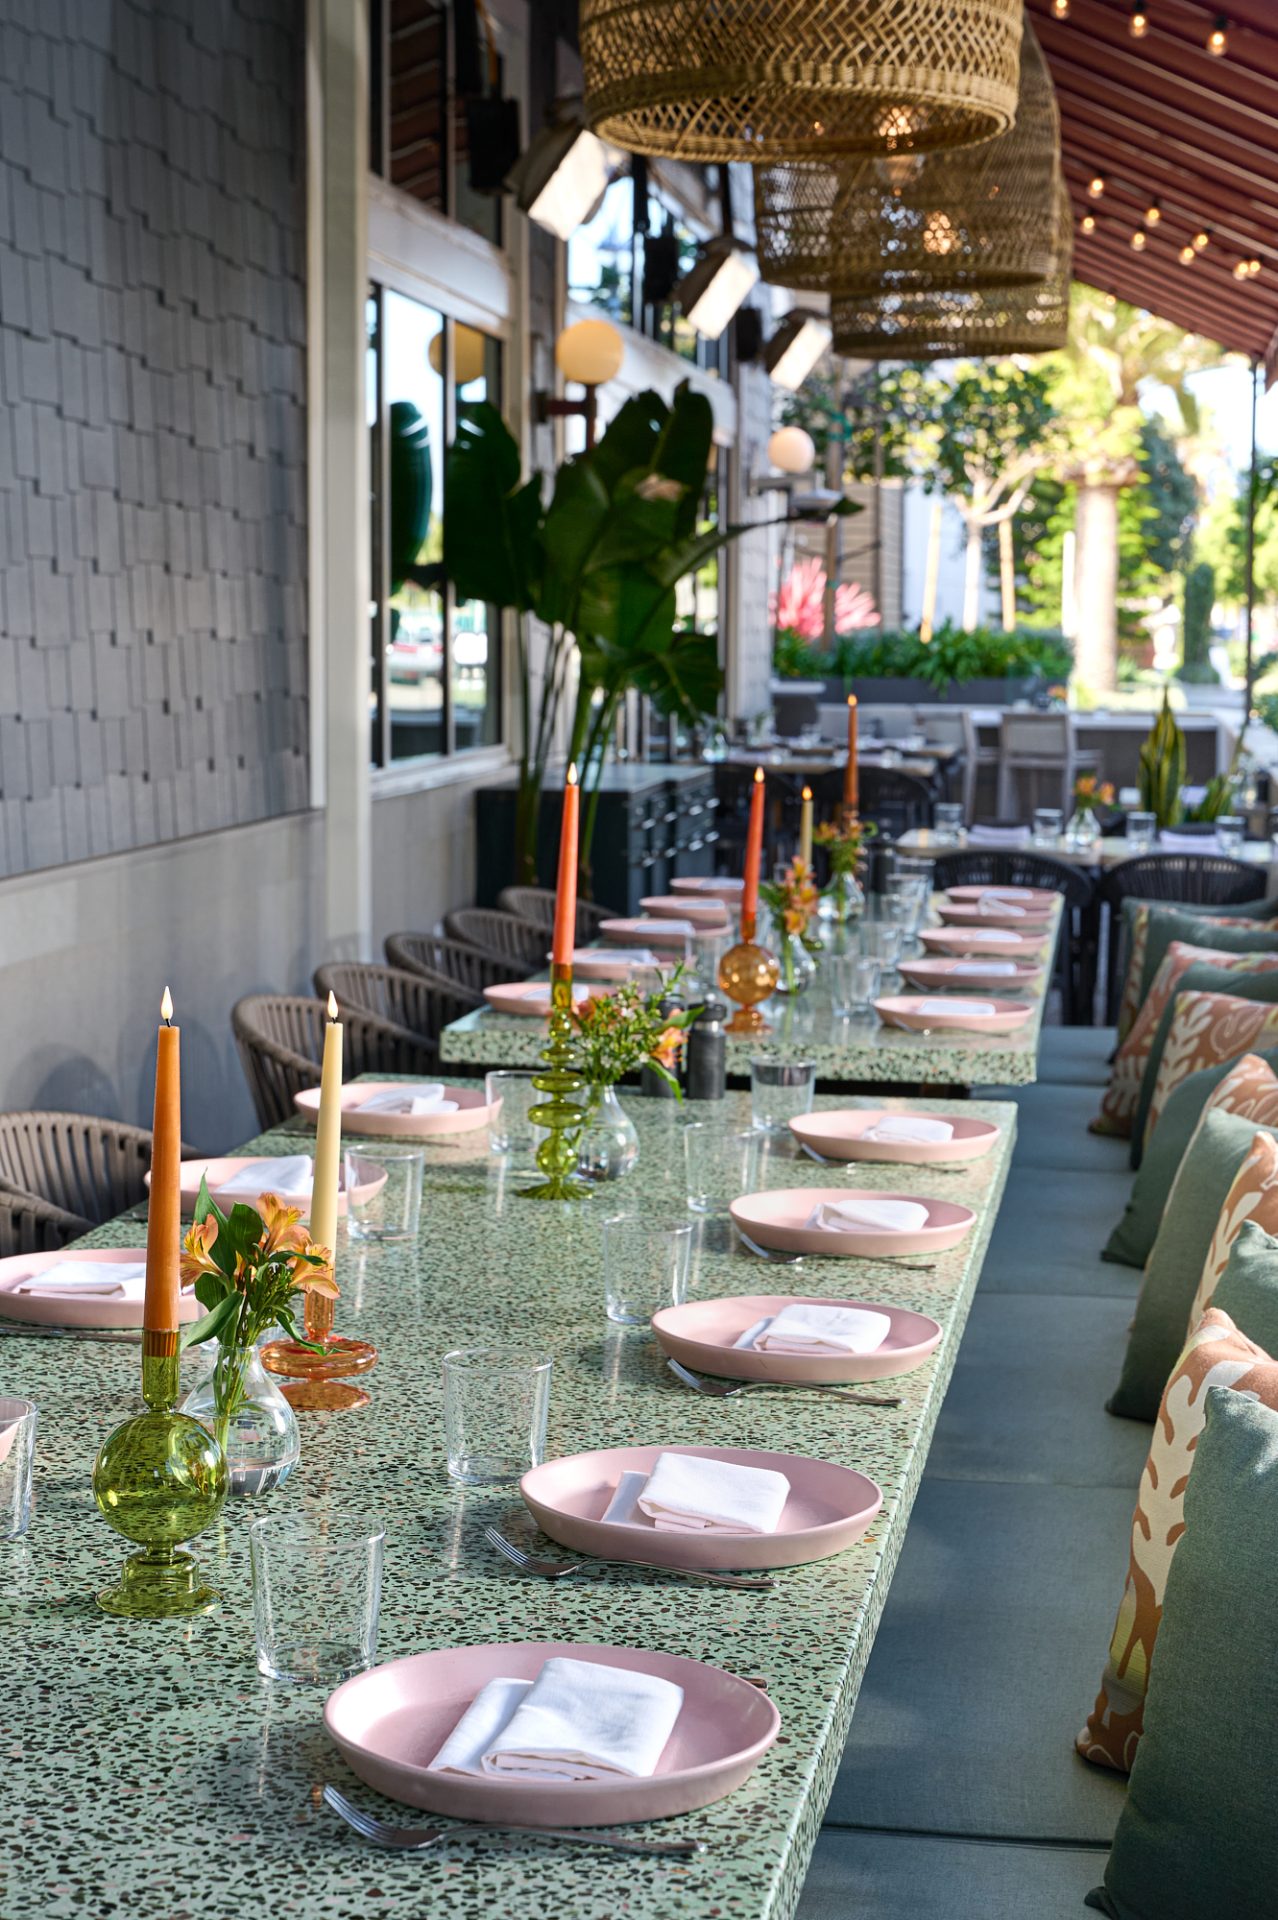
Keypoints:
(164, 1209)
(850, 793)
(566, 892)
(753, 856)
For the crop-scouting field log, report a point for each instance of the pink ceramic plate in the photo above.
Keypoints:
(472, 1112)
(75, 1310)
(729, 890)
(675, 906)
(829, 1509)
(838, 1134)
(1035, 898)
(390, 1722)
(528, 997)
(598, 963)
(902, 1010)
(1030, 920)
(952, 940)
(218, 1172)
(941, 973)
(647, 933)
(703, 1334)
(776, 1220)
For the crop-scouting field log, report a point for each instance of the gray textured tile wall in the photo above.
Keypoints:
(153, 670)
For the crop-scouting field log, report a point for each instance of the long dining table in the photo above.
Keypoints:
(149, 1770)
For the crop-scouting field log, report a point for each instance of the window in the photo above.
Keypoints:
(435, 682)
(422, 127)
(613, 269)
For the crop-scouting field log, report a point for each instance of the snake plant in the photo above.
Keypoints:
(1162, 768)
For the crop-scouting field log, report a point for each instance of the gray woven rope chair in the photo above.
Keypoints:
(412, 1000)
(91, 1169)
(536, 905)
(280, 1037)
(31, 1225)
(1186, 879)
(497, 933)
(438, 957)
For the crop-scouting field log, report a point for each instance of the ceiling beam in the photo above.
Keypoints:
(1124, 204)
(1193, 17)
(1237, 326)
(1192, 132)
(1099, 40)
(1101, 135)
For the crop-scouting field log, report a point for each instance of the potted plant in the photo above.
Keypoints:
(1162, 767)
(616, 1034)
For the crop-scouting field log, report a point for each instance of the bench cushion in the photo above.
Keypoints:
(1076, 1056)
(894, 1876)
(1048, 1234)
(1052, 1121)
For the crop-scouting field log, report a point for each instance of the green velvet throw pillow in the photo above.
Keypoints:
(1197, 929)
(1130, 1243)
(1248, 1288)
(1176, 1261)
(1196, 1837)
(1200, 978)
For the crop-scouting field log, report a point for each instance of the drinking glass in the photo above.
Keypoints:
(509, 1095)
(495, 1404)
(854, 983)
(1047, 826)
(18, 1419)
(780, 1090)
(317, 1593)
(645, 1265)
(384, 1191)
(1231, 830)
(916, 892)
(947, 823)
(720, 1166)
(1142, 831)
(881, 941)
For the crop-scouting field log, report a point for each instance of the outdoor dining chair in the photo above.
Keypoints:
(536, 905)
(411, 1000)
(280, 1037)
(500, 934)
(1188, 879)
(467, 967)
(88, 1168)
(31, 1225)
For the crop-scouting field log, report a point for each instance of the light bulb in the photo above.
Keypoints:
(1096, 186)
(1187, 256)
(1218, 38)
(1200, 239)
(1153, 214)
(1088, 223)
(1253, 268)
(1240, 270)
(1061, 9)
(1139, 25)
(1138, 240)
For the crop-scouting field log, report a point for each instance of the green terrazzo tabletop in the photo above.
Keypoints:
(150, 1771)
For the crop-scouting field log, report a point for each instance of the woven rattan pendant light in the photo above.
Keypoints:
(765, 80)
(984, 216)
(940, 325)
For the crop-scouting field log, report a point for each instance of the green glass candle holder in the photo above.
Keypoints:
(159, 1480)
(561, 1116)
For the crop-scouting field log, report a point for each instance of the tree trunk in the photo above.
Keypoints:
(972, 577)
(1007, 574)
(932, 574)
(1096, 574)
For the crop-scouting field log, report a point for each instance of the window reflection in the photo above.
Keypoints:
(476, 628)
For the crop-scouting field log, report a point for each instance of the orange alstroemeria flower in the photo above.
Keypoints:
(666, 1051)
(284, 1234)
(316, 1279)
(197, 1251)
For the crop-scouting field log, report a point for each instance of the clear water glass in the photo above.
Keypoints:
(317, 1594)
(780, 1091)
(496, 1400)
(509, 1095)
(645, 1265)
(854, 983)
(1231, 830)
(384, 1191)
(947, 823)
(720, 1167)
(881, 941)
(1048, 823)
(916, 892)
(18, 1421)
(1142, 832)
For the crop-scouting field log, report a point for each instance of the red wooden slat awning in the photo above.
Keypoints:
(1165, 121)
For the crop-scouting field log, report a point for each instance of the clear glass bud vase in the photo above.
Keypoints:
(608, 1144)
(237, 1401)
(798, 968)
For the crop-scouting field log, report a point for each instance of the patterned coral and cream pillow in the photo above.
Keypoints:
(1249, 1089)
(1206, 1030)
(1122, 1096)
(1253, 1196)
(1217, 1355)
(1129, 1005)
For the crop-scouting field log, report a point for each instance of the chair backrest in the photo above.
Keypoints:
(1187, 879)
(436, 955)
(941, 728)
(415, 1001)
(536, 905)
(1014, 867)
(897, 802)
(91, 1169)
(1045, 736)
(31, 1225)
(280, 1037)
(497, 933)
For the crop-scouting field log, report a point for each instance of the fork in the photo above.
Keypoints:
(721, 1390)
(416, 1839)
(826, 1160)
(776, 1259)
(560, 1569)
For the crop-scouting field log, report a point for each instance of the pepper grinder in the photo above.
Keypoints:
(708, 1053)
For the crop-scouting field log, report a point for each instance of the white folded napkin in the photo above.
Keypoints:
(535, 990)
(1004, 934)
(1186, 842)
(123, 1279)
(1013, 837)
(290, 1176)
(875, 1216)
(988, 905)
(979, 1009)
(686, 1494)
(425, 1097)
(808, 1328)
(1008, 893)
(1000, 967)
(479, 1726)
(580, 1721)
(615, 956)
(623, 1509)
(909, 1127)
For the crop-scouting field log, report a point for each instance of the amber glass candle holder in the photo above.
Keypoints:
(159, 1479)
(748, 973)
(559, 1114)
(319, 1375)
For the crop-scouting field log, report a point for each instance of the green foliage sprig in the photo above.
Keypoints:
(619, 1032)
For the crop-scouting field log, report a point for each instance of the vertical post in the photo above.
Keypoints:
(1250, 563)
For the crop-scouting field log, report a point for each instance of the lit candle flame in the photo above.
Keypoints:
(572, 774)
(332, 1006)
(807, 793)
(851, 699)
(758, 775)
(166, 1007)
